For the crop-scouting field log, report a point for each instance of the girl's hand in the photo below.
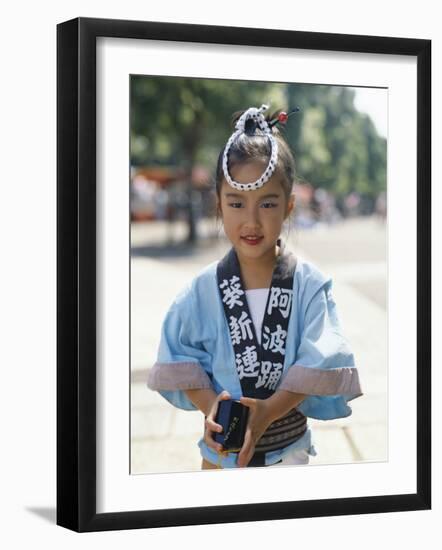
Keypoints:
(258, 422)
(211, 426)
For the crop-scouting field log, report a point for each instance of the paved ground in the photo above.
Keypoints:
(353, 252)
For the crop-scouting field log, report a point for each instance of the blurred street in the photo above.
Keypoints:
(352, 251)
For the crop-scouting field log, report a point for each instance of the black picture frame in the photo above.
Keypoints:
(77, 287)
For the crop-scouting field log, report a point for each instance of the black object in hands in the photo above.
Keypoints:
(232, 416)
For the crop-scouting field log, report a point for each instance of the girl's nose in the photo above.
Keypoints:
(252, 217)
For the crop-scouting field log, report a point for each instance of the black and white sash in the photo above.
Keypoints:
(260, 366)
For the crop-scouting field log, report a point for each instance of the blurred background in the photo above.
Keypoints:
(178, 127)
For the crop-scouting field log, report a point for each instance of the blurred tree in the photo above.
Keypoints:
(337, 147)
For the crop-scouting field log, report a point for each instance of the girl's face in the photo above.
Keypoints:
(253, 219)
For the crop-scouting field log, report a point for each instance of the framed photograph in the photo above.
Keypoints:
(144, 113)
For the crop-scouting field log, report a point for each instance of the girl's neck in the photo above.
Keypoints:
(258, 273)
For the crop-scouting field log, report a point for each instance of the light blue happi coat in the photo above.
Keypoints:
(318, 361)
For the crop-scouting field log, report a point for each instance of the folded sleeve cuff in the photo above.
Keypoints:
(178, 376)
(313, 381)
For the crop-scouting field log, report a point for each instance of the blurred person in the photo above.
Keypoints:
(142, 197)
(161, 203)
(259, 326)
(326, 206)
(321, 201)
(352, 202)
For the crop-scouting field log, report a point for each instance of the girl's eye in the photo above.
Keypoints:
(263, 205)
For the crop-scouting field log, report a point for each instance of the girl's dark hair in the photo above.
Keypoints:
(252, 146)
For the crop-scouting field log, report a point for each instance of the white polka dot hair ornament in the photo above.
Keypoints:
(258, 116)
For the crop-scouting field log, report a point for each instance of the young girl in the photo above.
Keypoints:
(260, 325)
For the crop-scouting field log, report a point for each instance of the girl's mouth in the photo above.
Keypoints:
(252, 240)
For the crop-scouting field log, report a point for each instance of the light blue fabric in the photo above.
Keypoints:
(230, 460)
(195, 329)
(320, 343)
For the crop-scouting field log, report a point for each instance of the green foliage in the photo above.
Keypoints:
(180, 121)
(337, 147)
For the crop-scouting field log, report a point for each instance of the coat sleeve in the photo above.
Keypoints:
(182, 362)
(325, 368)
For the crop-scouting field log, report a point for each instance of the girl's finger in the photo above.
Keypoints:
(210, 442)
(224, 395)
(246, 449)
(213, 426)
(248, 402)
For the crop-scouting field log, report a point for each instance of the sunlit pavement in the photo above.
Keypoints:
(353, 252)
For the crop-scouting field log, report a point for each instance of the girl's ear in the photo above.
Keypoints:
(290, 205)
